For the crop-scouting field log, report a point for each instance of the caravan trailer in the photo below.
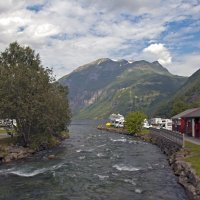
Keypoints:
(117, 120)
(166, 124)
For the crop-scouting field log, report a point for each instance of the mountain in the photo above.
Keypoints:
(105, 86)
(188, 96)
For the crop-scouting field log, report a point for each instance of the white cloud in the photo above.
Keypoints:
(79, 51)
(10, 5)
(136, 6)
(186, 65)
(43, 30)
(158, 52)
(70, 33)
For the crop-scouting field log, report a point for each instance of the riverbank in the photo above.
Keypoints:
(177, 158)
(113, 129)
(92, 165)
(10, 151)
(187, 176)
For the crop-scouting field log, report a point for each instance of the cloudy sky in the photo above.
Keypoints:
(70, 33)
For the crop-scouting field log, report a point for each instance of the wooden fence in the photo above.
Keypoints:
(173, 136)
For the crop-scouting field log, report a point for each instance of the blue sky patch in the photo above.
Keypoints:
(20, 29)
(65, 36)
(35, 7)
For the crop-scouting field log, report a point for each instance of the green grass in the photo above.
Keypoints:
(194, 159)
(145, 131)
(2, 131)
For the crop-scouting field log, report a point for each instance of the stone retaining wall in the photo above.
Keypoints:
(176, 154)
(167, 147)
(186, 175)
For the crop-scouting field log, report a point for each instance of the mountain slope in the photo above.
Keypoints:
(106, 86)
(88, 80)
(188, 96)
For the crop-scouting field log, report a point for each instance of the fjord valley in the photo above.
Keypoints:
(95, 164)
(100, 100)
(106, 86)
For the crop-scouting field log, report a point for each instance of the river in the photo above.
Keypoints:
(94, 165)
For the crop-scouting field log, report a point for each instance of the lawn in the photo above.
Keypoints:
(2, 131)
(194, 159)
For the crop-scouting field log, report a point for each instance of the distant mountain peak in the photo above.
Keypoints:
(103, 60)
(96, 62)
(123, 60)
(159, 67)
(156, 63)
(104, 86)
(131, 61)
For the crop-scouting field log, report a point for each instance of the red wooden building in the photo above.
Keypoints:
(187, 122)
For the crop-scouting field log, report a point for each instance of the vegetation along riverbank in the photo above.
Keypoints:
(10, 150)
(33, 106)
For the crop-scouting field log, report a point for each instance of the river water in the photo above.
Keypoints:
(94, 165)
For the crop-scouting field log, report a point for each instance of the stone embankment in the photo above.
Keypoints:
(10, 153)
(186, 175)
(175, 154)
(14, 152)
(183, 170)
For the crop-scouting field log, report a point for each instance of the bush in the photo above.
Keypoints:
(64, 135)
(134, 122)
(44, 142)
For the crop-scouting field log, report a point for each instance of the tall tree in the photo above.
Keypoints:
(28, 94)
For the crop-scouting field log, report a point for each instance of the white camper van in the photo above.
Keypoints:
(166, 124)
(146, 124)
(117, 120)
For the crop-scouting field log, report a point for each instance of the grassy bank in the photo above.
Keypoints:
(2, 131)
(124, 130)
(194, 158)
(145, 131)
(9, 132)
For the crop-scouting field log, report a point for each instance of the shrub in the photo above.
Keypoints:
(134, 122)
